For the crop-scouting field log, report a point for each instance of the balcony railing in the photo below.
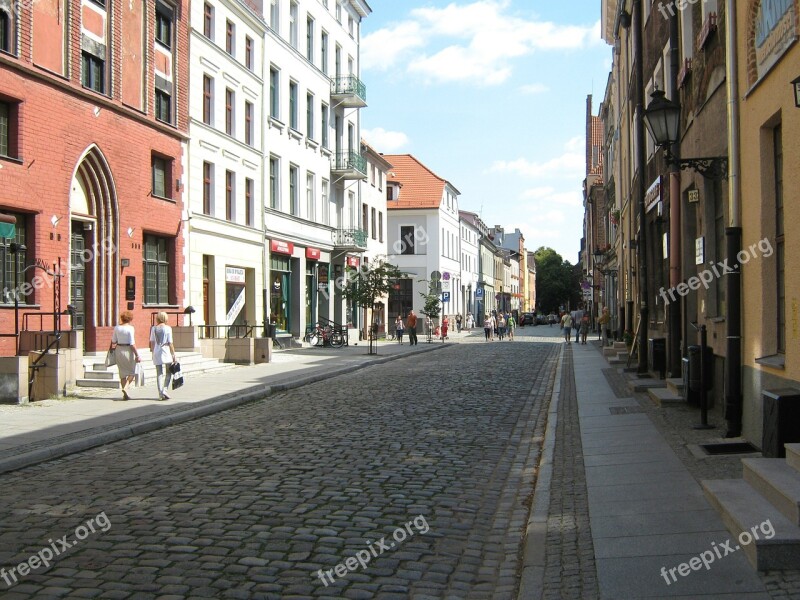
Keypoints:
(349, 91)
(354, 240)
(349, 165)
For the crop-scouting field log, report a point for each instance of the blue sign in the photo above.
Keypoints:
(445, 296)
(479, 293)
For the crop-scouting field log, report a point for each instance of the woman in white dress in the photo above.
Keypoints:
(123, 344)
(163, 353)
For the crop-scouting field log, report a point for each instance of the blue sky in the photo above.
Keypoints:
(491, 96)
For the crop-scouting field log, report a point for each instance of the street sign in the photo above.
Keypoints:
(479, 293)
(587, 294)
(446, 285)
(445, 296)
(446, 276)
(435, 275)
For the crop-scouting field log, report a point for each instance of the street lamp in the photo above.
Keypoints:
(662, 119)
(796, 87)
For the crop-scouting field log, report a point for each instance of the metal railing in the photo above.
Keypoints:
(40, 316)
(218, 332)
(349, 85)
(347, 160)
(350, 238)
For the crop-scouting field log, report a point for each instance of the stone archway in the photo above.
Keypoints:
(94, 259)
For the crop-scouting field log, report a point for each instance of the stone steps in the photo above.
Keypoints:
(664, 397)
(778, 482)
(675, 384)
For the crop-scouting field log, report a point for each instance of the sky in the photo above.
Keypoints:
(491, 96)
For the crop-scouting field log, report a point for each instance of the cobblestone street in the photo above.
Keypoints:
(422, 468)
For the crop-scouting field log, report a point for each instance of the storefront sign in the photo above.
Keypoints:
(234, 275)
(280, 247)
(313, 253)
(653, 195)
(352, 261)
(322, 277)
(775, 29)
(236, 308)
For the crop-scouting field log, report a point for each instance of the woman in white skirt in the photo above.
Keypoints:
(163, 353)
(123, 344)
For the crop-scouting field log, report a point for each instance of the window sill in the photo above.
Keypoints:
(13, 159)
(295, 134)
(774, 361)
(310, 143)
(23, 305)
(276, 124)
(164, 198)
(160, 306)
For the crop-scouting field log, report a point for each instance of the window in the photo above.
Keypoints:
(274, 92)
(6, 32)
(230, 185)
(249, 208)
(208, 21)
(248, 123)
(350, 27)
(93, 73)
(293, 191)
(324, 52)
(164, 18)
(337, 61)
(8, 129)
(274, 181)
(208, 188)
(406, 239)
(310, 199)
(230, 37)
(162, 175)
(274, 16)
(380, 226)
(156, 270)
(230, 99)
(310, 116)
(208, 97)
(325, 113)
(163, 106)
(365, 218)
(339, 11)
(293, 24)
(10, 265)
(293, 105)
(326, 212)
(780, 243)
(310, 40)
(374, 225)
(248, 52)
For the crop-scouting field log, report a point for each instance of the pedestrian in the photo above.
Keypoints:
(445, 325)
(163, 353)
(566, 327)
(411, 324)
(488, 327)
(458, 323)
(511, 324)
(584, 328)
(123, 344)
(501, 326)
(577, 317)
(603, 322)
(470, 321)
(398, 328)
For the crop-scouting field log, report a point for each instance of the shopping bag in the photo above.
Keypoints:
(138, 375)
(111, 358)
(177, 375)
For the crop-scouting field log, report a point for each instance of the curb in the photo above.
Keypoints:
(531, 585)
(208, 407)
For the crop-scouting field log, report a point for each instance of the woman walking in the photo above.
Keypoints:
(511, 324)
(566, 326)
(163, 353)
(123, 344)
(399, 328)
(501, 326)
(488, 327)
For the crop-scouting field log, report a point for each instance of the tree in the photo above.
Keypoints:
(431, 302)
(557, 281)
(368, 283)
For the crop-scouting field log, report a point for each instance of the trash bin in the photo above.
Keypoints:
(657, 356)
(272, 329)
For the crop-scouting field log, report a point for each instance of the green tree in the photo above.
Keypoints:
(557, 281)
(368, 283)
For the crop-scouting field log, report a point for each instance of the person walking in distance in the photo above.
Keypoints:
(577, 317)
(123, 343)
(398, 328)
(603, 322)
(411, 323)
(566, 326)
(584, 328)
(511, 324)
(163, 353)
(458, 323)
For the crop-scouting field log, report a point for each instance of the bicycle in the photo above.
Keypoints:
(325, 336)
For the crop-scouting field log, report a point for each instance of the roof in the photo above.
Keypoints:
(422, 188)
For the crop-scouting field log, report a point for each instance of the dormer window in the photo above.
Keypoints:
(392, 191)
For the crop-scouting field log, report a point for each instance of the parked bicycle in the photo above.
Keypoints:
(325, 336)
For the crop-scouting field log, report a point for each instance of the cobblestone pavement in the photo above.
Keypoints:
(570, 565)
(427, 462)
(675, 424)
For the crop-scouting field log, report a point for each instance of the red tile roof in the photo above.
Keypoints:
(421, 187)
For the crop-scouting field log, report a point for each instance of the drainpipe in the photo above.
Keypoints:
(674, 309)
(733, 235)
(637, 30)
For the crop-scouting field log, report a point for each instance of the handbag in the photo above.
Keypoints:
(111, 358)
(177, 376)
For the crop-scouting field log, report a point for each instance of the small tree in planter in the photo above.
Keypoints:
(432, 307)
(365, 285)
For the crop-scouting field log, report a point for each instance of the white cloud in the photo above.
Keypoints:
(534, 88)
(385, 141)
(569, 165)
(478, 42)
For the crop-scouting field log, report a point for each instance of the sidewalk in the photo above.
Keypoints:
(49, 429)
(638, 515)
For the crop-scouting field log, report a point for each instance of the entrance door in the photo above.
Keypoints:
(77, 280)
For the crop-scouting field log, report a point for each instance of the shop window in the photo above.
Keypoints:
(156, 270)
(280, 292)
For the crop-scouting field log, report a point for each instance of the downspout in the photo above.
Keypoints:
(675, 260)
(641, 245)
(733, 234)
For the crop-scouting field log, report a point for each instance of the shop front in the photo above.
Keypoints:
(280, 285)
(235, 296)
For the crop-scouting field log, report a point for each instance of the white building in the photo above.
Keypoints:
(423, 236)
(224, 159)
(313, 161)
(470, 259)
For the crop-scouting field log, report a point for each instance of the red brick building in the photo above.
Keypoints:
(93, 116)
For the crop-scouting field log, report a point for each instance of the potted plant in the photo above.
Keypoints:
(614, 216)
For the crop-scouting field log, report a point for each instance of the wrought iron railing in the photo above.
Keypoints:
(349, 85)
(217, 332)
(349, 161)
(351, 238)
